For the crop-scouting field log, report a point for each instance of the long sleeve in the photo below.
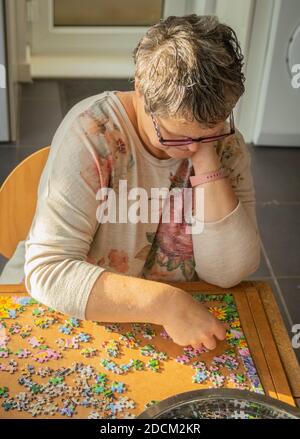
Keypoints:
(228, 250)
(56, 271)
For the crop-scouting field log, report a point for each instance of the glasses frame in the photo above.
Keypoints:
(189, 140)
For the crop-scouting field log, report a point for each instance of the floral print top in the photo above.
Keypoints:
(67, 248)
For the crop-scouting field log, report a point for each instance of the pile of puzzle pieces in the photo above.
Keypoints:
(49, 384)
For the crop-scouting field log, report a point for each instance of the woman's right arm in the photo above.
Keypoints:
(121, 298)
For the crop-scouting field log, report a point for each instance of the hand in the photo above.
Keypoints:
(190, 323)
(206, 159)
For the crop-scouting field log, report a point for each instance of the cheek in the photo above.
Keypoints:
(174, 152)
(193, 147)
(158, 145)
(154, 141)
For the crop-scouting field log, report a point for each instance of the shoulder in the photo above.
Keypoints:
(92, 117)
(94, 114)
(235, 157)
(232, 148)
(80, 150)
(93, 121)
(76, 112)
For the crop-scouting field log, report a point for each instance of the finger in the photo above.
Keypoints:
(220, 332)
(197, 346)
(209, 343)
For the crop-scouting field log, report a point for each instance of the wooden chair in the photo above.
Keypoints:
(18, 197)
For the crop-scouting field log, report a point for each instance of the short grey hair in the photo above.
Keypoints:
(190, 68)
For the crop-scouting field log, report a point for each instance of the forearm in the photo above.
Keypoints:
(219, 197)
(228, 249)
(120, 298)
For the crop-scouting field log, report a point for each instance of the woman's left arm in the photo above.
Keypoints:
(228, 248)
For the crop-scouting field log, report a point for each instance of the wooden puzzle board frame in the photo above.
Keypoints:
(263, 328)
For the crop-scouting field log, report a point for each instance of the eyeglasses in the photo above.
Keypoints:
(181, 143)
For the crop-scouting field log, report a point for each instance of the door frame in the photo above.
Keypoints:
(108, 56)
(249, 118)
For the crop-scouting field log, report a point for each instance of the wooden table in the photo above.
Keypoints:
(272, 340)
(267, 338)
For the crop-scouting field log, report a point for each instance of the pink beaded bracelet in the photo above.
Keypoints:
(208, 176)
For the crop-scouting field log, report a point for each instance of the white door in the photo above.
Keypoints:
(91, 38)
(9, 63)
(95, 38)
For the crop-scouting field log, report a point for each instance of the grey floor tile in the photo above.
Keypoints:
(284, 305)
(7, 145)
(8, 160)
(41, 89)
(3, 261)
(276, 173)
(26, 150)
(74, 90)
(262, 271)
(290, 288)
(39, 121)
(279, 228)
(11, 156)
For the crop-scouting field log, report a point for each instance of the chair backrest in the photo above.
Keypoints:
(18, 197)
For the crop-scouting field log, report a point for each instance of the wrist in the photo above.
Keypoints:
(174, 304)
(208, 177)
(163, 299)
(208, 164)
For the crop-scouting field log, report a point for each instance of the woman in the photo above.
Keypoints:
(170, 132)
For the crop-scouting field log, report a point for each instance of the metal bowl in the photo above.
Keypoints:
(220, 404)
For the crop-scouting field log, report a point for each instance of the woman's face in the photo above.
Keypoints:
(170, 129)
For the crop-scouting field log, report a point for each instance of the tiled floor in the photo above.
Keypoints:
(275, 170)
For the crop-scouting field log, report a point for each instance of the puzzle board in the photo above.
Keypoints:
(53, 366)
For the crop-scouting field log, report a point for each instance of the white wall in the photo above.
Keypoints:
(258, 46)
(250, 19)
